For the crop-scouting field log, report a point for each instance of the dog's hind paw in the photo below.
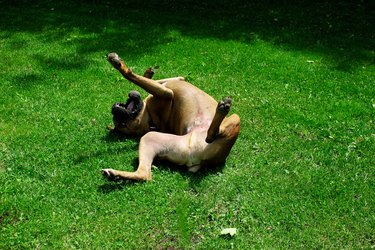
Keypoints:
(224, 105)
(222, 110)
(109, 174)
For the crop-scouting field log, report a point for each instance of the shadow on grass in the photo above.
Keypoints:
(193, 178)
(113, 186)
(115, 136)
(27, 80)
(339, 30)
(112, 138)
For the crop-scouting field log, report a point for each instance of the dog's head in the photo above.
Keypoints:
(127, 117)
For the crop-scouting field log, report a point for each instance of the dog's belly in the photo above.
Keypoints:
(182, 159)
(188, 149)
(199, 124)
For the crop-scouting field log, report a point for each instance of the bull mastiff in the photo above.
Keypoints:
(178, 122)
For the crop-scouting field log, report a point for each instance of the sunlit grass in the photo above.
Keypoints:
(300, 175)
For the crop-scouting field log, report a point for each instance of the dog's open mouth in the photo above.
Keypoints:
(122, 112)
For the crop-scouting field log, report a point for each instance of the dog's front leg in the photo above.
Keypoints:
(151, 86)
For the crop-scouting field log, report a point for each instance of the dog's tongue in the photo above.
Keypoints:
(130, 106)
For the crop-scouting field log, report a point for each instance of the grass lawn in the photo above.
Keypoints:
(300, 176)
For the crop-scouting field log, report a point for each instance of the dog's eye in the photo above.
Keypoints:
(124, 125)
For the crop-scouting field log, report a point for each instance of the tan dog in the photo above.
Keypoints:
(179, 123)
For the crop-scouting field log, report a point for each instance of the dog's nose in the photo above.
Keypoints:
(134, 94)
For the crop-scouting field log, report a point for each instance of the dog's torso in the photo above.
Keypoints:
(191, 109)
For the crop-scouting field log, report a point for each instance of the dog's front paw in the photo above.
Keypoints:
(149, 73)
(109, 174)
(114, 59)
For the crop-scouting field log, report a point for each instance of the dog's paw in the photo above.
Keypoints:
(149, 73)
(224, 105)
(114, 59)
(109, 174)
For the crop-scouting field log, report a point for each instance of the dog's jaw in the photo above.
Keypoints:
(138, 126)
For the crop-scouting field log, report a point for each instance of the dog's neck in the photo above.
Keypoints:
(146, 122)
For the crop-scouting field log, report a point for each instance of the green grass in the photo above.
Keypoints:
(300, 176)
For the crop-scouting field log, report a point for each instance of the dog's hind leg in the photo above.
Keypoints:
(112, 174)
(218, 150)
(222, 110)
(152, 144)
(151, 86)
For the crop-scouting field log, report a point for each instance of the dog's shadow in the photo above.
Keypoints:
(193, 178)
(162, 165)
(116, 136)
(86, 155)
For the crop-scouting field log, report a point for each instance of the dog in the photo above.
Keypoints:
(178, 122)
